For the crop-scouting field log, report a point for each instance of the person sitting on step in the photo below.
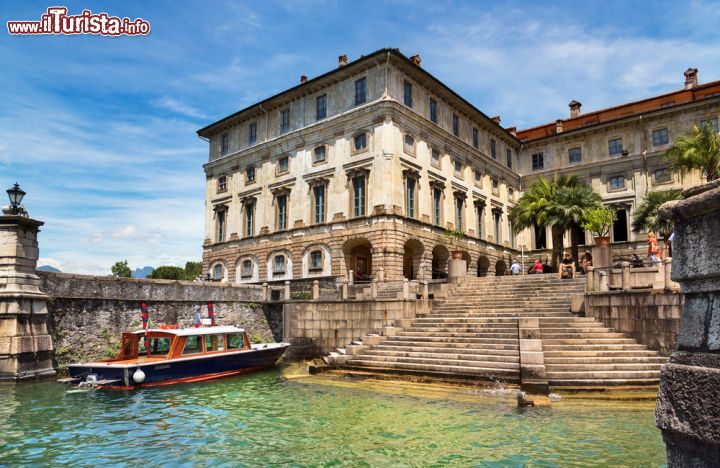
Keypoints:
(537, 268)
(567, 267)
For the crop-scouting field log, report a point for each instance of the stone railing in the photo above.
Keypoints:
(627, 278)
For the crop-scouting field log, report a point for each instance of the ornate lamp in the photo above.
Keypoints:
(16, 195)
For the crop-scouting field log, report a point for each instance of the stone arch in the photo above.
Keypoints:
(412, 257)
(483, 265)
(309, 269)
(500, 268)
(358, 258)
(241, 274)
(440, 258)
(274, 273)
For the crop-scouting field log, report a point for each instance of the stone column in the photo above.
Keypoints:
(688, 405)
(286, 292)
(626, 279)
(590, 279)
(316, 290)
(25, 345)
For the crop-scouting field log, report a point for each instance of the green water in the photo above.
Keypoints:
(263, 419)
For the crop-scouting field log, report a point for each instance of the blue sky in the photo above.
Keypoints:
(101, 131)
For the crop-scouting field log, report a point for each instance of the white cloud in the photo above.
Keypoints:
(172, 104)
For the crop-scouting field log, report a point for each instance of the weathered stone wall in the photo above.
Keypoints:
(88, 313)
(316, 328)
(652, 317)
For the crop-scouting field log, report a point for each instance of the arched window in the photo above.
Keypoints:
(279, 265)
(247, 269)
(316, 260)
(218, 272)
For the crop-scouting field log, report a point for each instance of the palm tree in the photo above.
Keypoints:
(646, 215)
(569, 207)
(559, 204)
(698, 149)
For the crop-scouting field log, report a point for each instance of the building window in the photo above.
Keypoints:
(458, 167)
(537, 161)
(224, 144)
(511, 194)
(222, 184)
(615, 146)
(252, 133)
(478, 178)
(281, 212)
(437, 206)
(480, 211)
(319, 154)
(433, 111)
(220, 225)
(617, 182)
(410, 196)
(509, 158)
(475, 138)
(358, 184)
(360, 142)
(495, 186)
(319, 204)
(250, 175)
(456, 125)
(435, 157)
(279, 265)
(713, 122)
(498, 234)
(493, 148)
(663, 176)
(574, 155)
(246, 270)
(321, 107)
(283, 165)
(512, 235)
(459, 202)
(660, 137)
(360, 91)
(409, 145)
(285, 121)
(407, 93)
(316, 260)
(249, 220)
(218, 272)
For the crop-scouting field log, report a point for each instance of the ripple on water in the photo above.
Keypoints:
(261, 420)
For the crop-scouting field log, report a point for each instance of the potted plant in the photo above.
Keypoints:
(599, 221)
(454, 236)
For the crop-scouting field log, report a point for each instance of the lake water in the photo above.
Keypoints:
(279, 417)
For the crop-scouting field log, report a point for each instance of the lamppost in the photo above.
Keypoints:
(16, 195)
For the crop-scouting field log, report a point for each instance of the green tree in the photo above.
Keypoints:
(647, 217)
(698, 149)
(559, 204)
(170, 272)
(121, 269)
(193, 270)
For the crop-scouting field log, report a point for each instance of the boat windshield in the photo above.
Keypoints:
(159, 345)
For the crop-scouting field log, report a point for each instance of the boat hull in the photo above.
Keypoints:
(182, 370)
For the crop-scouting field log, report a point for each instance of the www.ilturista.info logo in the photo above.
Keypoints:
(57, 21)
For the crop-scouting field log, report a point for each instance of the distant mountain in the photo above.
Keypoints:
(142, 272)
(48, 268)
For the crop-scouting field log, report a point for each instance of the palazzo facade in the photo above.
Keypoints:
(364, 169)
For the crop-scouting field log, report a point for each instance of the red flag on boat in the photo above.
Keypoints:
(211, 313)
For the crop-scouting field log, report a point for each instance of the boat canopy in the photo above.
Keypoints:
(193, 331)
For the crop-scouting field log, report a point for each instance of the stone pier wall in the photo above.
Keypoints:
(652, 317)
(88, 313)
(316, 328)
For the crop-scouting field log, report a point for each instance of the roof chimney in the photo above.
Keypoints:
(496, 119)
(512, 130)
(558, 126)
(303, 78)
(342, 61)
(691, 78)
(416, 59)
(574, 109)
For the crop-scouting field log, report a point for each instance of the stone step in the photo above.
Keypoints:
(604, 367)
(573, 360)
(601, 353)
(489, 372)
(510, 354)
(462, 328)
(458, 333)
(547, 348)
(474, 345)
(586, 341)
(572, 328)
(601, 374)
(574, 334)
(457, 339)
(436, 361)
(589, 384)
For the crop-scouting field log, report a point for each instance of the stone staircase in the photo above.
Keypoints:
(473, 333)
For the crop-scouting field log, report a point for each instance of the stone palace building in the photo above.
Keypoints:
(364, 169)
